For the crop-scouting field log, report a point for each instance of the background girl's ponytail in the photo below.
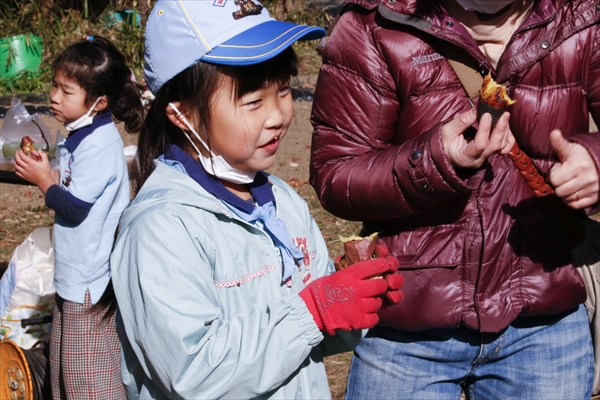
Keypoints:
(100, 69)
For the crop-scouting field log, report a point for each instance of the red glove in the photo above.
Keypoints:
(350, 298)
(394, 280)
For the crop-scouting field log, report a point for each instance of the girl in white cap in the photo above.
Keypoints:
(223, 280)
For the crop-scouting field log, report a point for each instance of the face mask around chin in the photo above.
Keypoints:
(484, 6)
(215, 165)
(83, 121)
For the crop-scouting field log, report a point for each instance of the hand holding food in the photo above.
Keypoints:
(359, 249)
(467, 148)
(350, 298)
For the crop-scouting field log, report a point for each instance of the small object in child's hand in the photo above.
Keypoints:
(494, 100)
(27, 145)
(356, 249)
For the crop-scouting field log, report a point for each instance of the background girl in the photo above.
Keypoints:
(91, 83)
(217, 264)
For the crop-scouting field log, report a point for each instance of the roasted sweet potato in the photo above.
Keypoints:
(493, 100)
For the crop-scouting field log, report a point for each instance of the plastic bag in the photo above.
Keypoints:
(27, 289)
(54, 157)
(19, 123)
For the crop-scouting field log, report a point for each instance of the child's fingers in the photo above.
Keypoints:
(393, 264)
(381, 251)
(394, 297)
(372, 288)
(38, 155)
(394, 281)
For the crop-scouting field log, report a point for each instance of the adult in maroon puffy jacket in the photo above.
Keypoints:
(492, 302)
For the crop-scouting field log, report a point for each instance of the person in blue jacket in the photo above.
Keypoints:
(91, 84)
(222, 278)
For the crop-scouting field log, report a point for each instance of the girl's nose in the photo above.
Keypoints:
(278, 115)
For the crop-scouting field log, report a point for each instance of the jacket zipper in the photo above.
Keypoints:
(534, 26)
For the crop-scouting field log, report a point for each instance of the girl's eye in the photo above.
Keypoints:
(253, 103)
(284, 91)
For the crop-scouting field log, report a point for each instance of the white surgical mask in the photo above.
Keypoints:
(217, 164)
(83, 121)
(484, 6)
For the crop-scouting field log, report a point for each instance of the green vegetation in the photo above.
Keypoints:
(59, 26)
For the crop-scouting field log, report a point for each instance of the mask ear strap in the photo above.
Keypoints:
(191, 128)
(96, 102)
(93, 106)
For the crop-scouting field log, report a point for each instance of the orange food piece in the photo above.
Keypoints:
(27, 145)
(356, 249)
(495, 94)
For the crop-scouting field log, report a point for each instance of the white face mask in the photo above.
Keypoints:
(217, 164)
(85, 120)
(484, 6)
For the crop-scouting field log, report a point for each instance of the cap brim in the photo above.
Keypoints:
(261, 43)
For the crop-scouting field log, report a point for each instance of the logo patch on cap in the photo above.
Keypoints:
(248, 7)
(220, 3)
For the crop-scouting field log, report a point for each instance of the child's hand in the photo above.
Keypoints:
(394, 280)
(35, 169)
(350, 298)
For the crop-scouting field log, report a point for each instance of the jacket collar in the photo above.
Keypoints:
(430, 18)
(76, 137)
(260, 188)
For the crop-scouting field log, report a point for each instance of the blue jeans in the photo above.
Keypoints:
(549, 357)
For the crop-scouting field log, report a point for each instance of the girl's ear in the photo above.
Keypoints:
(177, 114)
(101, 105)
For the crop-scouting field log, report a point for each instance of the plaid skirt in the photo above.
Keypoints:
(85, 354)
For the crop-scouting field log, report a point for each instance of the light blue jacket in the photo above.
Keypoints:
(202, 303)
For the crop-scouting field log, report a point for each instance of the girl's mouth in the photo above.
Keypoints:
(272, 145)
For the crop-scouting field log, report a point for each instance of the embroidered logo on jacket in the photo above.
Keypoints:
(302, 245)
(424, 59)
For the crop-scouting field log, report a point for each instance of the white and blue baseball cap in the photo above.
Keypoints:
(180, 33)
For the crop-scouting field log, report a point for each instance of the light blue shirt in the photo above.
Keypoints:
(93, 170)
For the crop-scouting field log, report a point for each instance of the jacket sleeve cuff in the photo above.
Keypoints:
(456, 179)
(305, 320)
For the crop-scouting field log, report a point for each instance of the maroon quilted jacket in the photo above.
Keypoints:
(475, 247)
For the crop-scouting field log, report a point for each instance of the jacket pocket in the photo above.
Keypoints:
(428, 247)
(430, 260)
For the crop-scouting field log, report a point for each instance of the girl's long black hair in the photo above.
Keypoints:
(101, 70)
